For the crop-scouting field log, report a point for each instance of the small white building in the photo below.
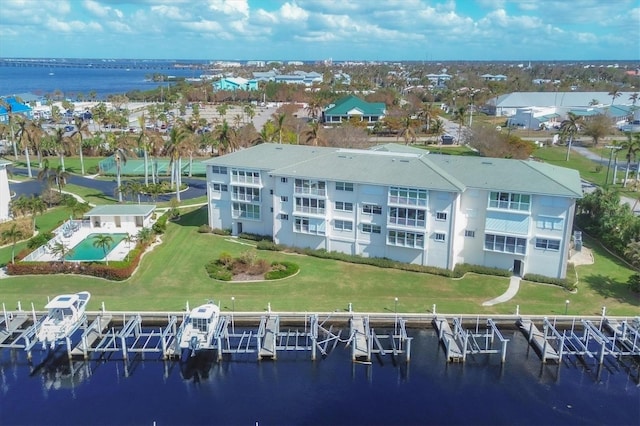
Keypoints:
(5, 195)
(400, 203)
(126, 216)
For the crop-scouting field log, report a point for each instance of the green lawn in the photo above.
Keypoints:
(173, 273)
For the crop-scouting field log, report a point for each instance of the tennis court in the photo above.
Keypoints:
(135, 167)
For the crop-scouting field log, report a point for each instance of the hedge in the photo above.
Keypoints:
(288, 270)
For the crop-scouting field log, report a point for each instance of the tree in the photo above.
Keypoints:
(24, 141)
(80, 131)
(145, 236)
(569, 128)
(631, 146)
(104, 242)
(634, 99)
(408, 132)
(491, 143)
(7, 105)
(597, 127)
(280, 125)
(437, 129)
(120, 158)
(226, 138)
(175, 149)
(61, 250)
(13, 234)
(615, 93)
(313, 135)
(37, 206)
(459, 116)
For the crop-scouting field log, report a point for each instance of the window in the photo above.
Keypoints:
(506, 200)
(343, 225)
(547, 244)
(246, 211)
(344, 206)
(441, 216)
(243, 193)
(245, 176)
(469, 233)
(550, 223)
(407, 217)
(284, 199)
(344, 186)
(309, 225)
(405, 239)
(219, 170)
(283, 180)
(371, 209)
(439, 236)
(505, 244)
(284, 216)
(312, 187)
(219, 187)
(408, 196)
(309, 205)
(370, 229)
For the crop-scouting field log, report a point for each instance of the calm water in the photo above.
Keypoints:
(74, 81)
(331, 391)
(85, 250)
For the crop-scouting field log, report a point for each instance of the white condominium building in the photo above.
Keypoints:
(400, 203)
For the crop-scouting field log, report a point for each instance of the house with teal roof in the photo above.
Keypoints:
(13, 106)
(352, 107)
(235, 83)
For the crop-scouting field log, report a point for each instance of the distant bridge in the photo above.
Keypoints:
(43, 63)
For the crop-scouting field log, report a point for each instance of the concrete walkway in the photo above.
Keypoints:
(514, 286)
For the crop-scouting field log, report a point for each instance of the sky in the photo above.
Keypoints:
(342, 30)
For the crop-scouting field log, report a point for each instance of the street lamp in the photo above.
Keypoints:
(395, 310)
(566, 306)
(233, 311)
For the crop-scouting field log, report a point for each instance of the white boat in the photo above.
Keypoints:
(65, 314)
(199, 327)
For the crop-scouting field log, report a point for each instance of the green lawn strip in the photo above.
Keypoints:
(90, 195)
(173, 274)
(588, 169)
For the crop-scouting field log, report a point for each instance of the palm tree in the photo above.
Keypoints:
(81, 130)
(61, 250)
(226, 138)
(437, 129)
(632, 147)
(24, 140)
(459, 116)
(569, 128)
(250, 111)
(280, 126)
(121, 159)
(145, 236)
(60, 177)
(104, 242)
(9, 108)
(59, 142)
(408, 133)
(14, 235)
(37, 206)
(314, 108)
(615, 93)
(175, 149)
(313, 136)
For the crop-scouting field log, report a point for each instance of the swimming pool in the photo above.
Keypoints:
(86, 252)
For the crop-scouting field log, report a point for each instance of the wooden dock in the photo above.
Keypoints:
(360, 348)
(271, 330)
(448, 339)
(13, 325)
(91, 335)
(538, 340)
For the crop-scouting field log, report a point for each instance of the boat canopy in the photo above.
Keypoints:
(63, 301)
(205, 311)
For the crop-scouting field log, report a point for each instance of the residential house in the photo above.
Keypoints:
(15, 107)
(235, 83)
(491, 77)
(400, 203)
(353, 107)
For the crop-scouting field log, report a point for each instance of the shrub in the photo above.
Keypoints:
(93, 170)
(634, 283)
(463, 268)
(268, 245)
(218, 271)
(161, 224)
(204, 229)
(565, 283)
(255, 237)
(281, 270)
(219, 231)
(39, 240)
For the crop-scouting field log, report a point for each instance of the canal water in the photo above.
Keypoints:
(293, 390)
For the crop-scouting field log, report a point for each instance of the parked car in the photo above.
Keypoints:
(69, 128)
(447, 140)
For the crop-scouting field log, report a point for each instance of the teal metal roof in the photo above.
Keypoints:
(344, 105)
(500, 174)
(122, 210)
(399, 165)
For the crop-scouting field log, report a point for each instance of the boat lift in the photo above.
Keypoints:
(366, 342)
(459, 342)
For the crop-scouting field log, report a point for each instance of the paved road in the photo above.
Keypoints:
(196, 187)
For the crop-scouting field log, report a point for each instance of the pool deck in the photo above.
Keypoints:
(119, 252)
